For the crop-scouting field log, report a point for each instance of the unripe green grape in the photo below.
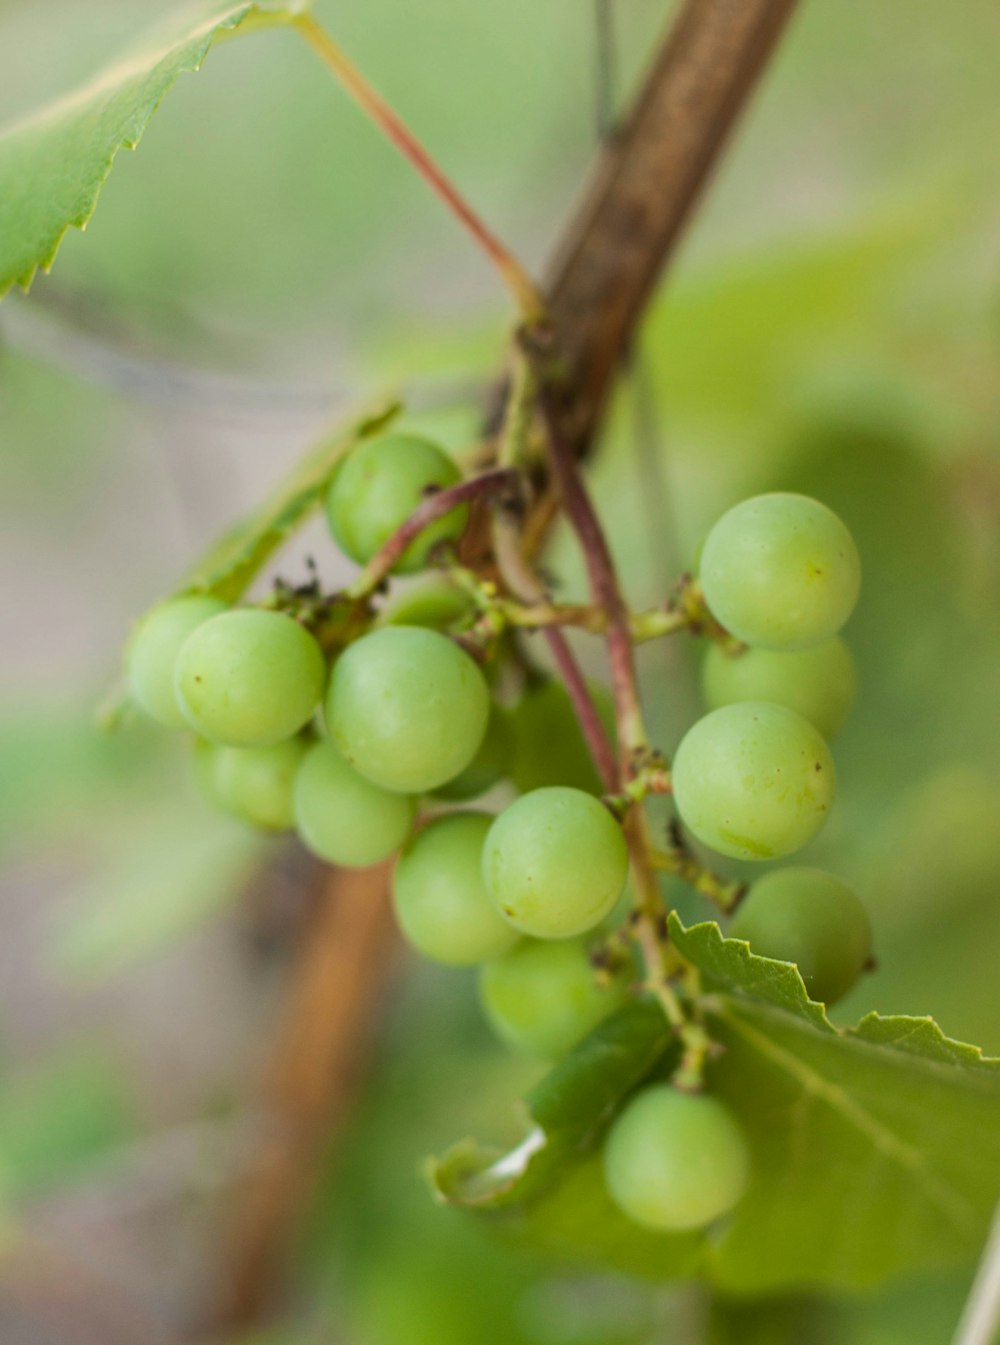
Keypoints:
(344, 818)
(254, 783)
(543, 998)
(780, 571)
(488, 765)
(379, 485)
(407, 708)
(441, 900)
(433, 600)
(810, 918)
(675, 1161)
(555, 862)
(549, 746)
(152, 653)
(819, 683)
(753, 780)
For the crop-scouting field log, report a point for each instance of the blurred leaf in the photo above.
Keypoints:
(54, 163)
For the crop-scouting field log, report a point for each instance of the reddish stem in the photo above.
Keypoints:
(594, 731)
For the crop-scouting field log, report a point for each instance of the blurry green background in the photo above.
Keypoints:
(265, 263)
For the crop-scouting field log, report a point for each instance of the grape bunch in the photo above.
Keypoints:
(363, 735)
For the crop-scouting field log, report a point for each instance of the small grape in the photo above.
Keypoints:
(407, 708)
(441, 900)
(810, 918)
(344, 818)
(819, 683)
(780, 571)
(555, 862)
(255, 783)
(753, 780)
(542, 998)
(379, 485)
(549, 746)
(152, 654)
(432, 600)
(488, 765)
(675, 1161)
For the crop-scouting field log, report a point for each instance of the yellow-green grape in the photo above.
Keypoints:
(441, 900)
(674, 1161)
(254, 783)
(810, 918)
(432, 600)
(489, 765)
(152, 653)
(376, 489)
(407, 708)
(543, 998)
(249, 678)
(753, 780)
(819, 683)
(555, 862)
(344, 818)
(549, 746)
(780, 571)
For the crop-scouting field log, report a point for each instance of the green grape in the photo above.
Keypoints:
(488, 765)
(254, 783)
(555, 862)
(407, 708)
(549, 746)
(432, 600)
(810, 918)
(152, 653)
(441, 900)
(675, 1161)
(377, 488)
(249, 678)
(780, 571)
(819, 683)
(753, 780)
(344, 818)
(543, 998)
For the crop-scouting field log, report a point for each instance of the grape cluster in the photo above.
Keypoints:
(361, 742)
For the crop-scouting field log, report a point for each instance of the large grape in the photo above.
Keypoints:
(377, 488)
(249, 678)
(407, 708)
(488, 765)
(819, 683)
(810, 918)
(555, 862)
(441, 900)
(254, 783)
(152, 654)
(344, 818)
(542, 998)
(549, 746)
(675, 1161)
(780, 571)
(432, 600)
(753, 780)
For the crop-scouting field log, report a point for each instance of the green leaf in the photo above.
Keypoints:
(873, 1148)
(54, 163)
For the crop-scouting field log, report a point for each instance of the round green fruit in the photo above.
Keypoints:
(549, 746)
(255, 783)
(488, 766)
(152, 654)
(819, 683)
(342, 817)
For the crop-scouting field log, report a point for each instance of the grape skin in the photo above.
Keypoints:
(753, 780)
(342, 817)
(549, 746)
(488, 766)
(249, 678)
(254, 783)
(780, 571)
(376, 489)
(674, 1161)
(407, 708)
(441, 901)
(811, 918)
(819, 683)
(543, 998)
(555, 862)
(152, 654)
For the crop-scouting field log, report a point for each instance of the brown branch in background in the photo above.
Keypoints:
(642, 193)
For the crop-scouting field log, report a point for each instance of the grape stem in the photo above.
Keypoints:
(497, 482)
(526, 294)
